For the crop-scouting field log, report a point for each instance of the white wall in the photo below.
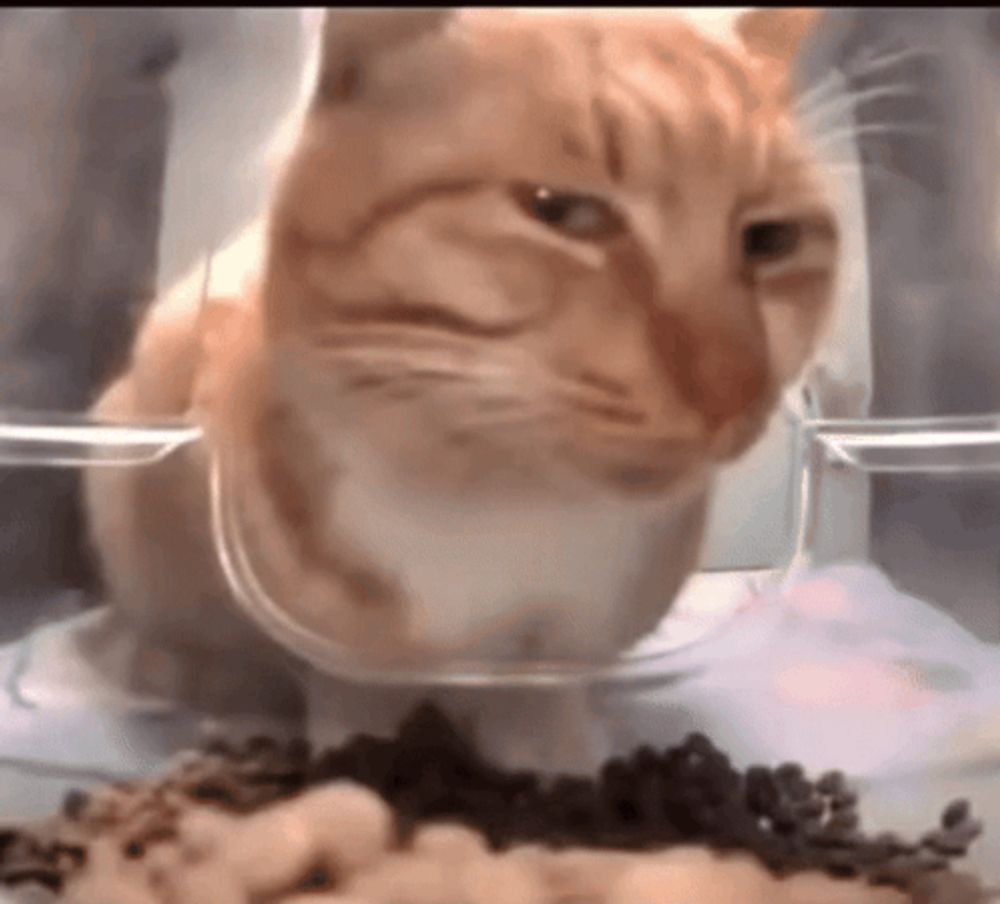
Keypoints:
(240, 73)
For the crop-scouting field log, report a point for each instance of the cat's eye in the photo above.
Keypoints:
(771, 240)
(575, 215)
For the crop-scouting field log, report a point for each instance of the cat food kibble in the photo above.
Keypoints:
(351, 827)
(423, 818)
(502, 880)
(269, 850)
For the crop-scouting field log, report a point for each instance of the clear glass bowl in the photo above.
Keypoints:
(67, 440)
(60, 440)
(654, 657)
(918, 498)
(837, 461)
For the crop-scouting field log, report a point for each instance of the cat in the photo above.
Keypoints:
(529, 281)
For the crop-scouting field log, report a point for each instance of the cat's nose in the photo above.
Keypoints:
(728, 382)
(720, 376)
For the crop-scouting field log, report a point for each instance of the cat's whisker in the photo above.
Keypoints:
(853, 163)
(505, 419)
(852, 101)
(490, 407)
(852, 168)
(818, 94)
(888, 59)
(398, 383)
(835, 136)
(436, 375)
(424, 364)
(496, 403)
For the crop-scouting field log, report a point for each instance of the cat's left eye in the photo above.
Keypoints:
(577, 216)
(771, 240)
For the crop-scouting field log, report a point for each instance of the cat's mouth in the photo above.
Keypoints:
(735, 437)
(641, 463)
(474, 415)
(676, 466)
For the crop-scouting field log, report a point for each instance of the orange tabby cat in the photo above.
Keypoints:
(530, 279)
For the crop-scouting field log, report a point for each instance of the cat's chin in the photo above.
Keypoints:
(643, 471)
(734, 439)
(573, 473)
(652, 481)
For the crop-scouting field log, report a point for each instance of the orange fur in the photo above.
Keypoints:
(422, 340)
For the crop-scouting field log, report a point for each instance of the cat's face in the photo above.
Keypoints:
(588, 244)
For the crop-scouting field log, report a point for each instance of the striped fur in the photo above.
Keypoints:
(460, 428)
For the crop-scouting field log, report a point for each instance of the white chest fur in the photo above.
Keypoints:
(515, 577)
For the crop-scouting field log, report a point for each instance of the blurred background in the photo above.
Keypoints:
(134, 142)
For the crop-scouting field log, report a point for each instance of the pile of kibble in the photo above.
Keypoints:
(685, 796)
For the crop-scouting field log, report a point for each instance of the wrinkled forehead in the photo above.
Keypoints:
(717, 24)
(645, 91)
(693, 30)
(639, 104)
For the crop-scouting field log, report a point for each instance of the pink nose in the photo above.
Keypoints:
(720, 377)
(729, 382)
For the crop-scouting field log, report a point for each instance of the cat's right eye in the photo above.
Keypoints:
(771, 240)
(576, 216)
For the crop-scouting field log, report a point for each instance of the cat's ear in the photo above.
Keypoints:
(777, 33)
(354, 39)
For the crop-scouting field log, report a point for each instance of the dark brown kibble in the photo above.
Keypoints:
(761, 790)
(890, 874)
(8, 839)
(158, 832)
(844, 821)
(831, 783)
(68, 855)
(946, 844)
(220, 747)
(810, 810)
(789, 773)
(844, 800)
(260, 745)
(957, 812)
(968, 831)
(645, 759)
(74, 803)
(843, 868)
(688, 794)
(51, 879)
(925, 861)
(299, 750)
(222, 791)
(894, 844)
(700, 743)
